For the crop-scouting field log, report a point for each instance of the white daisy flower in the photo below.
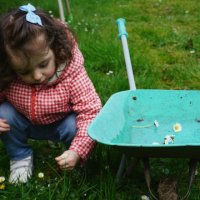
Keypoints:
(177, 127)
(41, 175)
(169, 139)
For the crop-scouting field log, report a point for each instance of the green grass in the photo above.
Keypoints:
(164, 45)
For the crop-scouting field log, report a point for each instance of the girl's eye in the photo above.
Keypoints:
(23, 73)
(43, 65)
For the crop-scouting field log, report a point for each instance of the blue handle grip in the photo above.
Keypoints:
(121, 27)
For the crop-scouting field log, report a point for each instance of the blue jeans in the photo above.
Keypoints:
(16, 140)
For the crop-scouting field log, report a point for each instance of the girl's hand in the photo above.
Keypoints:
(68, 160)
(4, 126)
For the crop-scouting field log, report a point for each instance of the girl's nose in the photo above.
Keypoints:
(37, 75)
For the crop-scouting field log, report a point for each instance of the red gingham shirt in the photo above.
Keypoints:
(71, 91)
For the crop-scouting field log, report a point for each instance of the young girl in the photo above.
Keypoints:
(45, 93)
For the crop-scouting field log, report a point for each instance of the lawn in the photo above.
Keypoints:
(164, 45)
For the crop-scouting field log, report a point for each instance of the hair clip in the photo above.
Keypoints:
(31, 16)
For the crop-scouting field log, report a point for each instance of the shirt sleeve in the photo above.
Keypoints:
(86, 103)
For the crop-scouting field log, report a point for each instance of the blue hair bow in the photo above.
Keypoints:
(31, 16)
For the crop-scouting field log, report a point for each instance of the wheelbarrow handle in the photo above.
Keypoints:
(121, 27)
(123, 35)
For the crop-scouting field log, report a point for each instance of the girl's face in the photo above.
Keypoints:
(40, 65)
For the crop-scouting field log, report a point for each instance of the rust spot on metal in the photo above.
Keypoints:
(140, 120)
(197, 120)
(134, 98)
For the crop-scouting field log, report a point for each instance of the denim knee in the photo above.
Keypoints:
(13, 117)
(15, 140)
(7, 112)
(67, 128)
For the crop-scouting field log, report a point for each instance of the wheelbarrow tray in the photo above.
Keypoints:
(127, 122)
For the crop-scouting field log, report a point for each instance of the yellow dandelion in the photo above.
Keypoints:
(2, 179)
(177, 127)
(41, 175)
(2, 186)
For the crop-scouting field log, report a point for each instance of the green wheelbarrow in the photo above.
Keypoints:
(147, 123)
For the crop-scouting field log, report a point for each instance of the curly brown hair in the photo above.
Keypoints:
(15, 32)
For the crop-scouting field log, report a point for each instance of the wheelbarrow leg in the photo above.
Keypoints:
(131, 166)
(192, 170)
(147, 176)
(123, 173)
(121, 168)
